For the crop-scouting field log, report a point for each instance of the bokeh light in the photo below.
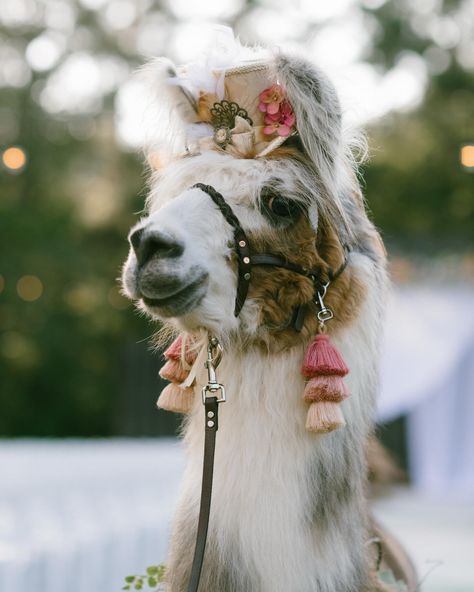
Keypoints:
(29, 288)
(467, 156)
(19, 349)
(43, 52)
(14, 158)
(116, 299)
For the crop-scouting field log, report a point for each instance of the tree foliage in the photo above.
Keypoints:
(65, 362)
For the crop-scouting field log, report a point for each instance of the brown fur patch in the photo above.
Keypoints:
(286, 152)
(279, 291)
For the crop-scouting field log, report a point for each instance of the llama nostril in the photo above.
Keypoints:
(155, 244)
(135, 238)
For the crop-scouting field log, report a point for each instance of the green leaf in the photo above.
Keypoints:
(130, 579)
(126, 588)
(153, 570)
(152, 582)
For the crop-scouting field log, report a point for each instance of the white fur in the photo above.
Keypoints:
(260, 487)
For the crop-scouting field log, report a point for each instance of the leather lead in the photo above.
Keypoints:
(211, 407)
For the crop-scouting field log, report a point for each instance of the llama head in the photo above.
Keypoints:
(296, 197)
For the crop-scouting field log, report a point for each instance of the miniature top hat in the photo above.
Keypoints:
(231, 101)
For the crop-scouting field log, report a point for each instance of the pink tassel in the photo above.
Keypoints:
(174, 350)
(324, 367)
(323, 417)
(174, 398)
(323, 358)
(325, 388)
(174, 371)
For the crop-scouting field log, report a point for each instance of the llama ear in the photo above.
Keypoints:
(170, 90)
(171, 107)
(317, 109)
(318, 120)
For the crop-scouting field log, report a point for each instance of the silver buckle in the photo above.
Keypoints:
(325, 313)
(214, 356)
(211, 389)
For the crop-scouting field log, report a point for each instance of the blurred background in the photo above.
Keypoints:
(89, 468)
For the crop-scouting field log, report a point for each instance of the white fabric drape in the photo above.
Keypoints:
(428, 375)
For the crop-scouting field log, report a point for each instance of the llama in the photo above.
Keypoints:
(289, 510)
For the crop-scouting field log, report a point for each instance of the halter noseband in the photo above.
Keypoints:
(246, 261)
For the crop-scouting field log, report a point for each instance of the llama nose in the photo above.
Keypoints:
(149, 244)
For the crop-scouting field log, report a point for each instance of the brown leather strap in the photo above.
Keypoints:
(241, 245)
(211, 410)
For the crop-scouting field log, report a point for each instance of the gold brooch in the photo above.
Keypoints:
(223, 116)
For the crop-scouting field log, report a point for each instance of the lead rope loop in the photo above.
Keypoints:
(211, 402)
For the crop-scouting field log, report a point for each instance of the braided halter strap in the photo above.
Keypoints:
(246, 261)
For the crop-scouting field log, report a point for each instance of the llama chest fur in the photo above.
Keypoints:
(287, 508)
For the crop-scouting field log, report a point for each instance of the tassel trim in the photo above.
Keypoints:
(174, 398)
(324, 417)
(323, 358)
(326, 388)
(173, 371)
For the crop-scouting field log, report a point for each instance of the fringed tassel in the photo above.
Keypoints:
(323, 358)
(325, 388)
(175, 352)
(174, 397)
(173, 371)
(324, 367)
(177, 399)
(323, 417)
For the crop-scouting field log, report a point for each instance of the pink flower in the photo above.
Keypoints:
(270, 99)
(287, 117)
(279, 117)
(275, 127)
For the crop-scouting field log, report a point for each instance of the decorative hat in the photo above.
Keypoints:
(235, 104)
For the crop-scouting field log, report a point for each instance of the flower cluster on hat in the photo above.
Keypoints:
(279, 116)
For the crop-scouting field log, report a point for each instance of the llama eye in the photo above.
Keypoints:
(280, 206)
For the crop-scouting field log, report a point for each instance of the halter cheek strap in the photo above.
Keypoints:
(241, 245)
(246, 261)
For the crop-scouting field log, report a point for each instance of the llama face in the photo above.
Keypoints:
(182, 267)
(300, 202)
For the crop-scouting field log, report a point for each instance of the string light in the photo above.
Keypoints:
(29, 288)
(467, 156)
(14, 158)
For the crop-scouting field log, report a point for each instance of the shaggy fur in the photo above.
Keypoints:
(289, 507)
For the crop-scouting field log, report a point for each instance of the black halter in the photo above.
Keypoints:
(246, 261)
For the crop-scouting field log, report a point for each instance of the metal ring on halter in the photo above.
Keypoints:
(214, 343)
(325, 315)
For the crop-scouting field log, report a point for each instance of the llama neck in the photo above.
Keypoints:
(280, 493)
